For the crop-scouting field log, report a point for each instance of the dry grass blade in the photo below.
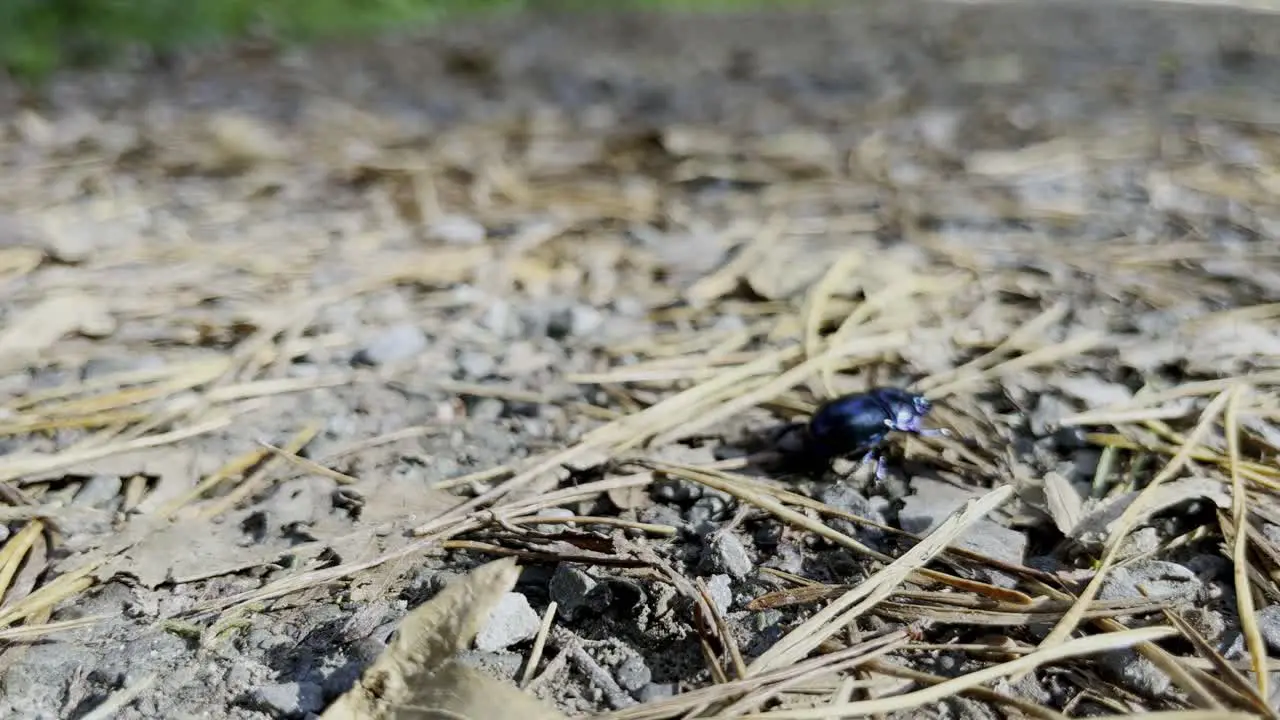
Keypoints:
(1240, 544)
(1073, 648)
(832, 619)
(862, 346)
(864, 652)
(629, 430)
(121, 698)
(1071, 620)
(14, 468)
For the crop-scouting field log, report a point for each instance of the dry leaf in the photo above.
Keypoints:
(1099, 521)
(1064, 503)
(417, 677)
(45, 324)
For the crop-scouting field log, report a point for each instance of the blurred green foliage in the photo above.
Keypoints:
(39, 36)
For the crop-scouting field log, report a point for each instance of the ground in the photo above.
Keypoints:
(290, 341)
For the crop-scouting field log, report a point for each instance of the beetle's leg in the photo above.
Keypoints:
(880, 464)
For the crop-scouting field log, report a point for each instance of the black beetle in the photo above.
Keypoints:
(863, 421)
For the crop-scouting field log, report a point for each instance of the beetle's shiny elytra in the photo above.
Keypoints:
(863, 421)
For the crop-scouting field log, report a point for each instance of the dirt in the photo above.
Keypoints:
(269, 317)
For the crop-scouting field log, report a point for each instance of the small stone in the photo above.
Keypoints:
(457, 230)
(1136, 672)
(930, 504)
(511, 621)
(572, 589)
(399, 342)
(993, 540)
(842, 497)
(721, 591)
(477, 365)
(656, 691)
(99, 492)
(577, 321)
(633, 674)
(1155, 580)
(726, 553)
(707, 513)
(1269, 626)
(291, 699)
(499, 319)
(99, 367)
(553, 528)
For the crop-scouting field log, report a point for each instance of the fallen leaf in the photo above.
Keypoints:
(1099, 521)
(1066, 507)
(45, 324)
(418, 677)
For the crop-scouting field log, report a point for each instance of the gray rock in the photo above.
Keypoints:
(633, 674)
(573, 589)
(934, 501)
(656, 691)
(477, 365)
(512, 621)
(1153, 579)
(399, 342)
(555, 512)
(721, 590)
(504, 665)
(843, 497)
(930, 505)
(98, 367)
(726, 553)
(998, 542)
(291, 699)
(457, 230)
(1135, 672)
(500, 320)
(575, 321)
(707, 513)
(1269, 625)
(101, 491)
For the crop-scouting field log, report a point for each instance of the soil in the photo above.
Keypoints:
(271, 320)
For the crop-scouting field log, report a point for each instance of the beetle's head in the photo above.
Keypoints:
(908, 412)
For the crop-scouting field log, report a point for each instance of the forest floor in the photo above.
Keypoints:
(289, 341)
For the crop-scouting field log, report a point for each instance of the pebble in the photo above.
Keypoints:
(721, 590)
(500, 320)
(633, 674)
(934, 501)
(555, 512)
(1269, 625)
(1156, 580)
(572, 589)
(842, 497)
(99, 492)
(1136, 672)
(457, 230)
(576, 321)
(477, 365)
(398, 342)
(707, 513)
(291, 699)
(656, 691)
(512, 621)
(99, 367)
(726, 553)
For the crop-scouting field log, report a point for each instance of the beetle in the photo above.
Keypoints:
(862, 422)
